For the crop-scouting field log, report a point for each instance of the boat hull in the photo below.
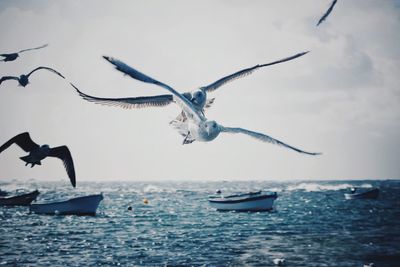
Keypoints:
(371, 194)
(258, 203)
(86, 205)
(21, 200)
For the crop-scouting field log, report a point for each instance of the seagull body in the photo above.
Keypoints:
(23, 79)
(198, 127)
(38, 153)
(14, 56)
(327, 12)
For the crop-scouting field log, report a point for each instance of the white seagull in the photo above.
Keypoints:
(198, 97)
(198, 127)
(23, 79)
(38, 153)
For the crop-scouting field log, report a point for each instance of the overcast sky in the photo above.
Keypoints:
(342, 99)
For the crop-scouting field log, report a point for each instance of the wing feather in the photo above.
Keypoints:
(181, 100)
(264, 138)
(242, 73)
(129, 102)
(46, 68)
(39, 47)
(23, 140)
(327, 12)
(5, 78)
(63, 153)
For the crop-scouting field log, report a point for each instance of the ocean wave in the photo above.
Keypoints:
(315, 187)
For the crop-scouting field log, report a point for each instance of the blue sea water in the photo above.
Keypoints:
(311, 225)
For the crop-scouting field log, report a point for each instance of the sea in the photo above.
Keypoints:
(172, 224)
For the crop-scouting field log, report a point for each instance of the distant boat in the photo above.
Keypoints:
(3, 193)
(252, 201)
(20, 200)
(86, 205)
(364, 194)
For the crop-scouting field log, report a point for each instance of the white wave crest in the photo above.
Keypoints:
(314, 187)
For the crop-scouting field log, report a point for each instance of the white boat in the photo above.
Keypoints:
(362, 194)
(252, 201)
(86, 205)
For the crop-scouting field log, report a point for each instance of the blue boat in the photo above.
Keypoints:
(362, 194)
(86, 205)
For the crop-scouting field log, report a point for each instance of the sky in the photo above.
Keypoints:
(341, 99)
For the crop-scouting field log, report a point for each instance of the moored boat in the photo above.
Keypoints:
(86, 205)
(20, 200)
(252, 201)
(362, 194)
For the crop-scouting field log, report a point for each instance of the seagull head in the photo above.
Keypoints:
(212, 129)
(199, 98)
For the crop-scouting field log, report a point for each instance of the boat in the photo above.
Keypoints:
(3, 193)
(86, 205)
(20, 200)
(252, 201)
(362, 194)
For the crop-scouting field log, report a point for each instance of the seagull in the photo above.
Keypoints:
(197, 97)
(23, 80)
(14, 56)
(38, 153)
(327, 12)
(197, 127)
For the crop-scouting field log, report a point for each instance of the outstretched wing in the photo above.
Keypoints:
(264, 138)
(45, 68)
(129, 102)
(62, 152)
(327, 12)
(245, 72)
(39, 47)
(5, 78)
(181, 100)
(23, 140)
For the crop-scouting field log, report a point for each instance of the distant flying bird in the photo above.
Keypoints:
(23, 80)
(327, 12)
(197, 97)
(38, 153)
(14, 56)
(197, 127)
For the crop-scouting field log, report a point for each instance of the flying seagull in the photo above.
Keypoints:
(38, 153)
(327, 12)
(197, 127)
(197, 97)
(14, 56)
(23, 80)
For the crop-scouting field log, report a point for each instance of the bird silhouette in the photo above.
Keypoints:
(14, 56)
(38, 153)
(23, 79)
(327, 12)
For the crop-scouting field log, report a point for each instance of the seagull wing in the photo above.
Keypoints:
(39, 47)
(46, 68)
(23, 140)
(129, 102)
(263, 138)
(327, 12)
(181, 100)
(5, 78)
(62, 152)
(245, 72)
